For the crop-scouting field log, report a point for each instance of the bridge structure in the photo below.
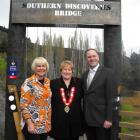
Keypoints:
(104, 15)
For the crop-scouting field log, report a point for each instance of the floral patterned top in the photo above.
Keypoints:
(35, 103)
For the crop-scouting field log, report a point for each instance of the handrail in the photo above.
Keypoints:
(128, 137)
(133, 126)
(130, 113)
(130, 125)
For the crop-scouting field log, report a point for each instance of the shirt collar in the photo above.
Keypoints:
(95, 68)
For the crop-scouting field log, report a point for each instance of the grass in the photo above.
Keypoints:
(126, 130)
(127, 107)
(127, 119)
(130, 104)
(3, 69)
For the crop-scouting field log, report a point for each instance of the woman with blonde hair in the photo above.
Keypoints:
(67, 116)
(35, 102)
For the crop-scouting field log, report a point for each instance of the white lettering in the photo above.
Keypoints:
(69, 6)
(82, 6)
(29, 5)
(44, 5)
(53, 5)
(94, 7)
(67, 13)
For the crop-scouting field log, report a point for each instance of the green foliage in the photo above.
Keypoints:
(127, 119)
(3, 46)
(3, 41)
(2, 64)
(3, 35)
(3, 69)
(126, 130)
(127, 107)
(131, 71)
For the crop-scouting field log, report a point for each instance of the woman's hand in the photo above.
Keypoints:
(30, 126)
(48, 127)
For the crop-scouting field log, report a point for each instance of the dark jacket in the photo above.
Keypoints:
(65, 124)
(98, 98)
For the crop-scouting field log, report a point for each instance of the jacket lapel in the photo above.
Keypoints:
(85, 79)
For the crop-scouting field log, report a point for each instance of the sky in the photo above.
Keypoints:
(130, 25)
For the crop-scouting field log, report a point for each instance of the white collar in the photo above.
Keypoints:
(95, 68)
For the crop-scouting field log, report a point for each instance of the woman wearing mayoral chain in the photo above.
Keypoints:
(67, 116)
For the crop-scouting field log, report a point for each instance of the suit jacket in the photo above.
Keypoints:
(65, 125)
(98, 98)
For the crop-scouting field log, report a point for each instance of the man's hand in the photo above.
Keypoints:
(107, 124)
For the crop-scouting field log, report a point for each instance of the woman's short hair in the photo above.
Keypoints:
(38, 61)
(65, 64)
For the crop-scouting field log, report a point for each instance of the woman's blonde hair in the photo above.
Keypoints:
(65, 64)
(39, 60)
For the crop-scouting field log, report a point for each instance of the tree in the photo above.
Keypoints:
(97, 43)
(135, 72)
(130, 74)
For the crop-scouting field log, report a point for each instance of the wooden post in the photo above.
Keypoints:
(16, 114)
(13, 89)
(112, 49)
(112, 59)
(16, 117)
(15, 53)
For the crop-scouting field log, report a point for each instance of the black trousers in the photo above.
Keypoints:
(77, 138)
(29, 136)
(98, 133)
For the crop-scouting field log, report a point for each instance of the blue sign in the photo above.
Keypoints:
(12, 72)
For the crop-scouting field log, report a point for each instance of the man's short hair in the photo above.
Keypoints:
(89, 49)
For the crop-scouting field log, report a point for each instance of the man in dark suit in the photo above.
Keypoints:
(98, 87)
